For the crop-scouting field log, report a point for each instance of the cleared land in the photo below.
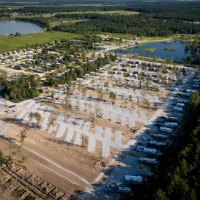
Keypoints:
(8, 43)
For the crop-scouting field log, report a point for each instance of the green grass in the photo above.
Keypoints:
(183, 38)
(118, 35)
(169, 49)
(112, 12)
(11, 42)
(151, 50)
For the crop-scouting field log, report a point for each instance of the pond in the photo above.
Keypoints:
(174, 50)
(11, 27)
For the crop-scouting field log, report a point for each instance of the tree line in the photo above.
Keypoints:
(187, 11)
(37, 20)
(194, 49)
(128, 24)
(177, 175)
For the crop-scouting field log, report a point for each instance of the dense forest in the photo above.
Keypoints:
(26, 87)
(194, 49)
(187, 11)
(155, 18)
(178, 174)
(137, 25)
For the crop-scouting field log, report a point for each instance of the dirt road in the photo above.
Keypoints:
(57, 169)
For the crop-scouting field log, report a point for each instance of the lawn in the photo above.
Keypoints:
(118, 35)
(112, 12)
(11, 42)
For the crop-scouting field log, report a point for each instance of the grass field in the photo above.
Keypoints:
(112, 12)
(11, 42)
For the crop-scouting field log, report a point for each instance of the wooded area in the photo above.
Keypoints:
(25, 87)
(177, 176)
(139, 25)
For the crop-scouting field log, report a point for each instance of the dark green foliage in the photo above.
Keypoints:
(194, 48)
(178, 175)
(37, 20)
(25, 87)
(79, 72)
(129, 24)
(1, 158)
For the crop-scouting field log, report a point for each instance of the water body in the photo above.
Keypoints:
(11, 27)
(176, 55)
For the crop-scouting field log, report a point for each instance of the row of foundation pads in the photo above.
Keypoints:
(80, 128)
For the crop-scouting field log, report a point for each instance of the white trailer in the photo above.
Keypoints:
(180, 104)
(183, 101)
(146, 150)
(155, 143)
(166, 129)
(124, 189)
(161, 136)
(150, 151)
(179, 109)
(171, 124)
(196, 86)
(173, 119)
(134, 179)
(148, 160)
(186, 94)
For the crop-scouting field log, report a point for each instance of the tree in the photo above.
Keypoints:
(22, 135)
(106, 85)
(6, 98)
(100, 94)
(160, 195)
(83, 90)
(93, 118)
(31, 116)
(38, 117)
(66, 104)
(84, 141)
(3, 77)
(52, 122)
(52, 94)
(112, 97)
(1, 158)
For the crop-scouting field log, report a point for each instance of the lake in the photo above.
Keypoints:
(176, 55)
(11, 27)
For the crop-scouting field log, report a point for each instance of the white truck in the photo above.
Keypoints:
(171, 124)
(155, 143)
(166, 129)
(186, 94)
(148, 160)
(146, 150)
(180, 105)
(183, 101)
(161, 136)
(134, 179)
(173, 119)
(196, 86)
(179, 109)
